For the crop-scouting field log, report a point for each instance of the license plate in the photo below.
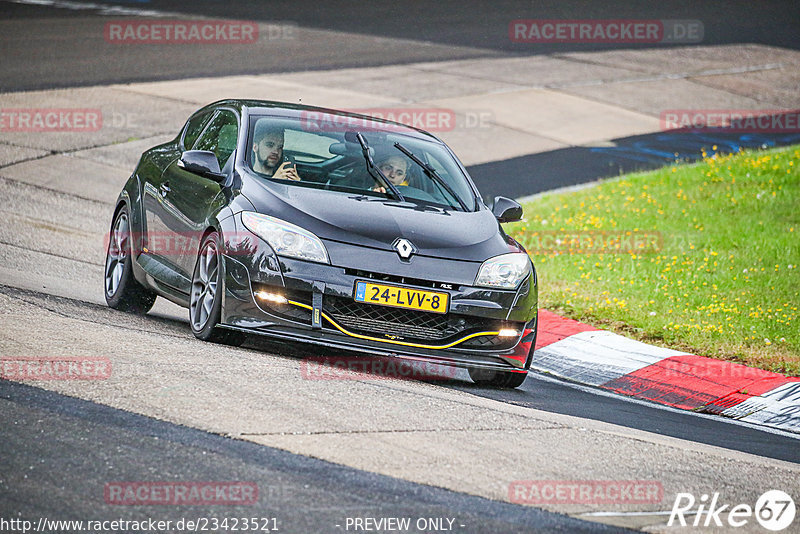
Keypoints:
(401, 297)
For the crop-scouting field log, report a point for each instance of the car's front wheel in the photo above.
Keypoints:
(122, 291)
(497, 379)
(205, 300)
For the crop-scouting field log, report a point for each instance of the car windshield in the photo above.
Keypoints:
(328, 155)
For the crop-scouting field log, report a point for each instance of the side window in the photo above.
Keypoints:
(220, 136)
(193, 129)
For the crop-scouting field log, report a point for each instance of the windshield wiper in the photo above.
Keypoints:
(373, 169)
(431, 173)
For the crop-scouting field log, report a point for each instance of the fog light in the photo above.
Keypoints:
(508, 332)
(277, 298)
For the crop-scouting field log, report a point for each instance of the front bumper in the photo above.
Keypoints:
(320, 309)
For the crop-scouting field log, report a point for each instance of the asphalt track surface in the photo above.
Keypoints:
(45, 47)
(545, 171)
(65, 449)
(543, 393)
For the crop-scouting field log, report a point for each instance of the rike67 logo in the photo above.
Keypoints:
(774, 510)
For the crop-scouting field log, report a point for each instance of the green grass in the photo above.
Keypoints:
(715, 273)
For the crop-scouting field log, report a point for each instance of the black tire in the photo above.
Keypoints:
(205, 298)
(497, 379)
(121, 289)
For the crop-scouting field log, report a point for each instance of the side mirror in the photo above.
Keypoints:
(202, 162)
(506, 210)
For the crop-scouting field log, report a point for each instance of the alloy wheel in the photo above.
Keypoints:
(118, 247)
(204, 286)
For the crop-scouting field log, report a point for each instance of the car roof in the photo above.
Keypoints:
(299, 111)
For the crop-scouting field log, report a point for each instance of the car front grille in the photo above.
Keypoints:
(490, 342)
(385, 320)
(396, 323)
(409, 324)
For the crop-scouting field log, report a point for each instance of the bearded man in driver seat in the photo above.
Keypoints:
(268, 157)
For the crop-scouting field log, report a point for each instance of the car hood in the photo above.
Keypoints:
(376, 223)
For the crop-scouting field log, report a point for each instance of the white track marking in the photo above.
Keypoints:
(102, 9)
(598, 356)
(779, 407)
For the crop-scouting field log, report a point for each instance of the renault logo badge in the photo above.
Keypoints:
(404, 248)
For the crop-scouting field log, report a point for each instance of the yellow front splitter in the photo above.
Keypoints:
(393, 341)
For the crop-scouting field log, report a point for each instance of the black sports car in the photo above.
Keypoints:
(325, 227)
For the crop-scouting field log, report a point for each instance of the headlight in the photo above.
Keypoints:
(287, 239)
(505, 271)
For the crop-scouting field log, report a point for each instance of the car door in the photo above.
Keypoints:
(189, 199)
(158, 256)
